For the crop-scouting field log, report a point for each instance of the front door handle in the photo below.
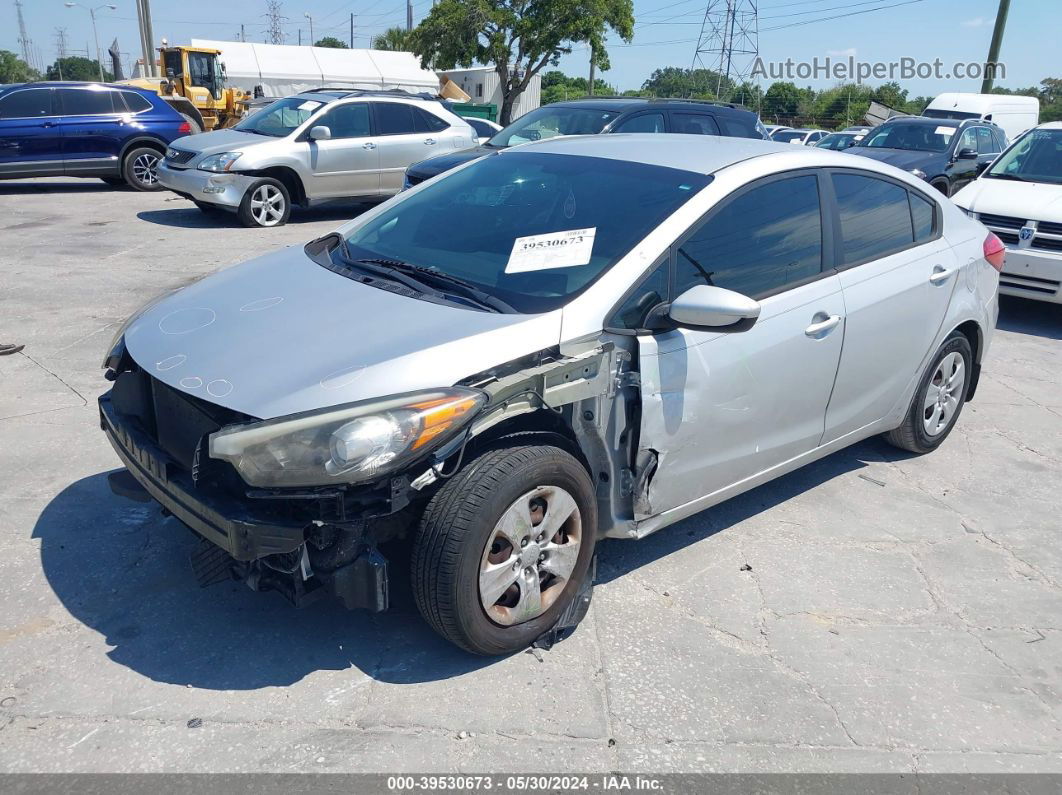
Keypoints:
(369, 145)
(49, 124)
(822, 326)
(940, 274)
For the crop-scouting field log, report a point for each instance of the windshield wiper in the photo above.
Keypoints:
(464, 288)
(1014, 177)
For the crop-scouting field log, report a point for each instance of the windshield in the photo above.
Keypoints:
(1036, 157)
(280, 118)
(529, 228)
(837, 141)
(551, 121)
(933, 113)
(785, 136)
(917, 136)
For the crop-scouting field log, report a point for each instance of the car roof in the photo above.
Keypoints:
(621, 104)
(1051, 125)
(702, 154)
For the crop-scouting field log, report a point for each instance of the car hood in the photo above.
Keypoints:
(901, 158)
(217, 141)
(281, 334)
(1024, 200)
(440, 163)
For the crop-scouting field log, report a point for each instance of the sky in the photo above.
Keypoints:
(666, 32)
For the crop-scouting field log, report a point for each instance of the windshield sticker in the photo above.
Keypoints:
(309, 105)
(947, 132)
(554, 250)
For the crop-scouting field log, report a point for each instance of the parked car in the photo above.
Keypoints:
(799, 136)
(858, 129)
(593, 115)
(1020, 199)
(111, 132)
(581, 338)
(1012, 113)
(839, 140)
(485, 128)
(946, 153)
(771, 129)
(318, 146)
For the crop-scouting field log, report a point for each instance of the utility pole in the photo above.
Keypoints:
(95, 35)
(307, 15)
(352, 31)
(409, 14)
(243, 34)
(300, 37)
(592, 65)
(147, 37)
(993, 48)
(23, 37)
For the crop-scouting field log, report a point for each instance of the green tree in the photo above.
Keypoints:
(15, 70)
(557, 86)
(518, 37)
(673, 81)
(331, 41)
(395, 39)
(75, 67)
(781, 99)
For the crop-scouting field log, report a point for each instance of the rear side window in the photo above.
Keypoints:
(766, 239)
(26, 104)
(393, 118)
(735, 129)
(134, 102)
(87, 102)
(875, 217)
(694, 124)
(922, 213)
(427, 122)
(645, 123)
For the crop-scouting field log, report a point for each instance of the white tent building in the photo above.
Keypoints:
(282, 70)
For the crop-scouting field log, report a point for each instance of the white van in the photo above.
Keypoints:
(1014, 113)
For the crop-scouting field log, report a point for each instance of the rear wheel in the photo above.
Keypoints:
(502, 548)
(266, 203)
(139, 168)
(939, 399)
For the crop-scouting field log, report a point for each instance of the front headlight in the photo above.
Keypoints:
(221, 162)
(918, 173)
(346, 444)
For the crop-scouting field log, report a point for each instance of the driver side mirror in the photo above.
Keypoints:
(967, 154)
(707, 307)
(320, 133)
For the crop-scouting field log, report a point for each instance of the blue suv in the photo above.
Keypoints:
(112, 132)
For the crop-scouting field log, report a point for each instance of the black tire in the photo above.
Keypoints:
(196, 129)
(250, 215)
(451, 544)
(912, 435)
(138, 168)
(208, 208)
(942, 185)
(114, 182)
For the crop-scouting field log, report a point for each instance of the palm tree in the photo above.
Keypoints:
(395, 39)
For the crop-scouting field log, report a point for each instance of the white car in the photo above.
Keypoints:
(484, 128)
(1020, 199)
(802, 136)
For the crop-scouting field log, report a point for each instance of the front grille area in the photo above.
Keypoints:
(1049, 228)
(178, 157)
(1032, 284)
(1046, 243)
(1007, 237)
(1004, 221)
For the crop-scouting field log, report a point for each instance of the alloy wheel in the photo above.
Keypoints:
(530, 555)
(943, 394)
(267, 205)
(144, 169)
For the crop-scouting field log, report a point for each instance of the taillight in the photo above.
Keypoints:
(185, 128)
(995, 251)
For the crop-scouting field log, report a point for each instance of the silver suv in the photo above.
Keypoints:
(310, 148)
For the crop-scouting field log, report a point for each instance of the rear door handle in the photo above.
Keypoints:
(822, 326)
(429, 141)
(940, 274)
(369, 145)
(49, 124)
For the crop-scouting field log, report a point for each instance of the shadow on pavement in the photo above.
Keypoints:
(190, 217)
(1035, 318)
(87, 185)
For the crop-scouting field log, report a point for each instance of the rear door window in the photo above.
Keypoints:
(88, 102)
(393, 118)
(693, 124)
(766, 239)
(875, 217)
(424, 122)
(642, 123)
(923, 212)
(27, 103)
(135, 103)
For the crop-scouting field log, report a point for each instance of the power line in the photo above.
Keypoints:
(840, 16)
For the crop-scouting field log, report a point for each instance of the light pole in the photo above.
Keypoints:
(92, 13)
(307, 15)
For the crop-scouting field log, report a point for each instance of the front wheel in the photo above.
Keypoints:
(140, 168)
(266, 203)
(503, 546)
(939, 399)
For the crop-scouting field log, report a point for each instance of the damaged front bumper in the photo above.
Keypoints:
(303, 558)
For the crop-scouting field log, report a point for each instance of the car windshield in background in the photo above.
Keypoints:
(281, 118)
(786, 136)
(837, 141)
(916, 137)
(532, 229)
(551, 121)
(933, 113)
(1037, 157)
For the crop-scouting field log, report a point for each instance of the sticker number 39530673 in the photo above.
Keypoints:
(567, 249)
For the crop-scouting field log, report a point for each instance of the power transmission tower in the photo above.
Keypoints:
(729, 40)
(60, 49)
(274, 22)
(23, 38)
